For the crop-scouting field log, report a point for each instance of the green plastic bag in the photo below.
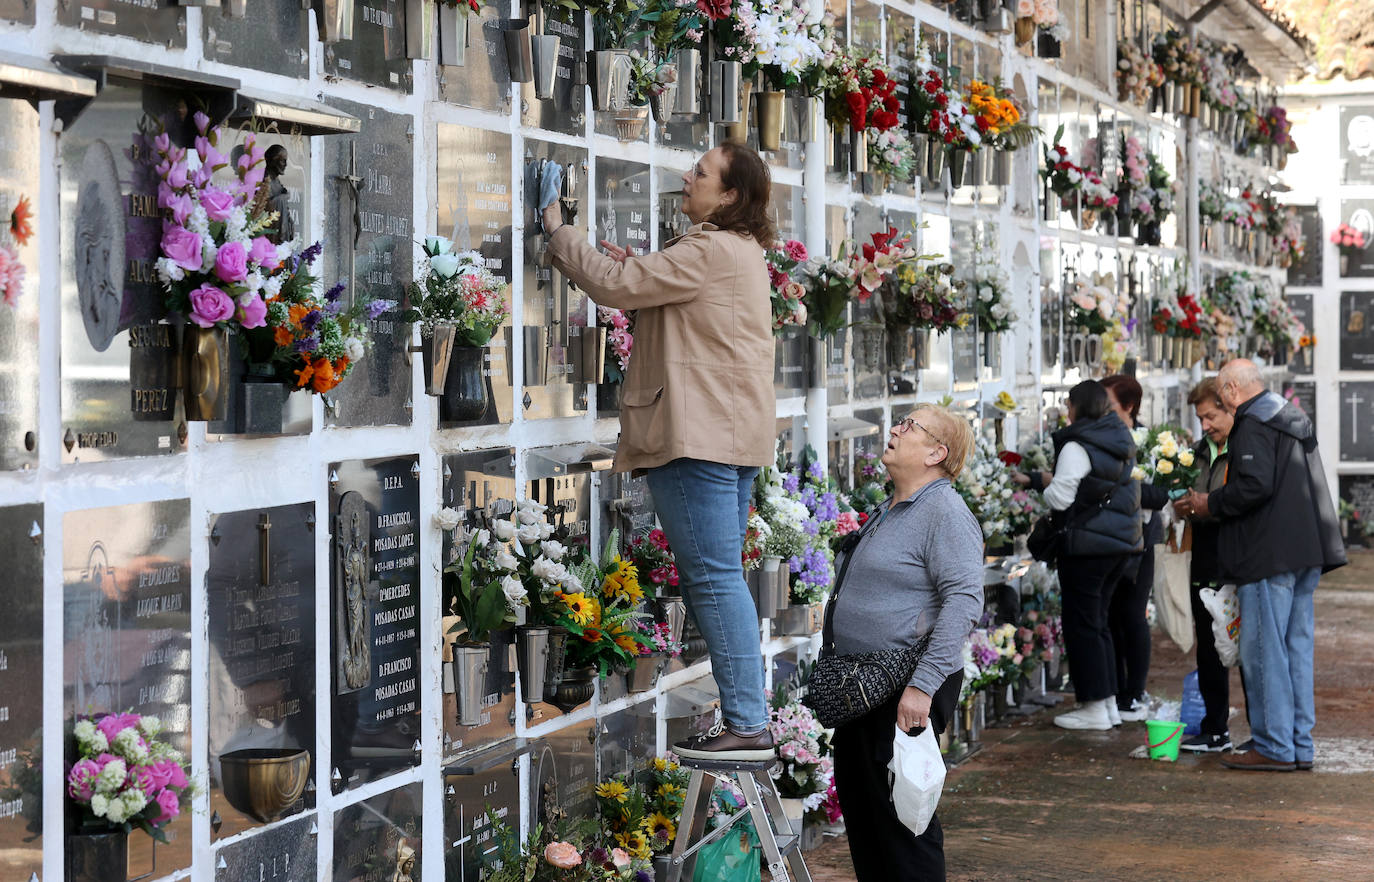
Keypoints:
(732, 858)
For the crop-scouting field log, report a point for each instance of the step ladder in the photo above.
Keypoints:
(781, 846)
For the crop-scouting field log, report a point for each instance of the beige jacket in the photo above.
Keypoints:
(700, 383)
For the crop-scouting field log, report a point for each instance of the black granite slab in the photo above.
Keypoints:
(488, 783)
(272, 36)
(1356, 420)
(483, 81)
(377, 53)
(378, 839)
(21, 679)
(1357, 330)
(151, 22)
(285, 853)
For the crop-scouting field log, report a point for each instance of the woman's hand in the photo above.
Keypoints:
(615, 252)
(913, 711)
(1021, 478)
(553, 217)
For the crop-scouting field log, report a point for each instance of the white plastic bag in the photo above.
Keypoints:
(1173, 609)
(917, 773)
(1224, 607)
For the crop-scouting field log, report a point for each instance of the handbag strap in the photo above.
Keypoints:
(849, 546)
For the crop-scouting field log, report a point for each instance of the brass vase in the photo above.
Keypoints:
(771, 113)
(264, 782)
(205, 372)
(1024, 29)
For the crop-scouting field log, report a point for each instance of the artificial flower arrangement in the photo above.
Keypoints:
(1241, 211)
(654, 563)
(891, 153)
(1210, 200)
(11, 266)
(1347, 240)
(1178, 57)
(456, 288)
(656, 638)
(801, 522)
(1137, 74)
(1003, 509)
(563, 850)
(1215, 76)
(806, 767)
(1062, 175)
(1094, 303)
(1165, 459)
(871, 487)
(992, 299)
(1135, 166)
(483, 581)
(1160, 189)
(927, 296)
(619, 342)
(1000, 121)
(641, 812)
(785, 261)
(603, 625)
(755, 540)
(1119, 343)
(1234, 297)
(831, 283)
(1274, 319)
(1290, 244)
(859, 89)
(553, 593)
(125, 776)
(1273, 127)
(1095, 193)
(1179, 316)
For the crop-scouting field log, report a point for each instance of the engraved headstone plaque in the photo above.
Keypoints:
(20, 11)
(368, 207)
(260, 590)
(271, 36)
(626, 740)
(1304, 397)
(483, 80)
(1301, 304)
(1357, 330)
(126, 573)
(285, 853)
(1357, 421)
(19, 362)
(21, 681)
(474, 211)
(374, 514)
(1308, 270)
(1358, 490)
(486, 782)
(378, 839)
(1359, 213)
(1357, 143)
(573, 769)
(566, 111)
(377, 53)
(151, 22)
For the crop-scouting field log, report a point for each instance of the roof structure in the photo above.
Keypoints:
(1341, 33)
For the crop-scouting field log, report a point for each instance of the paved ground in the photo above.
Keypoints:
(1040, 803)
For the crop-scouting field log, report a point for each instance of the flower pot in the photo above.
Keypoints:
(436, 349)
(1001, 168)
(645, 673)
(739, 130)
(672, 611)
(576, 688)
(814, 128)
(1194, 100)
(96, 857)
(771, 113)
(532, 660)
(630, 122)
(535, 360)
(264, 782)
(1157, 349)
(997, 20)
(1047, 46)
(587, 350)
(687, 99)
(469, 668)
(153, 380)
(544, 54)
(1024, 29)
(335, 19)
(957, 160)
(1000, 705)
(420, 21)
(800, 619)
(555, 662)
(453, 36)
(465, 389)
(935, 162)
(976, 168)
(205, 372)
(724, 91)
(795, 811)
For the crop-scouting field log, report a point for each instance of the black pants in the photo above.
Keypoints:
(1086, 587)
(1213, 679)
(882, 847)
(1130, 629)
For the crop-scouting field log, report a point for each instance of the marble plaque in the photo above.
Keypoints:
(1359, 213)
(20, 11)
(374, 523)
(1358, 490)
(551, 302)
(1301, 304)
(126, 574)
(1357, 330)
(151, 22)
(627, 505)
(367, 223)
(272, 36)
(870, 358)
(483, 80)
(1308, 271)
(261, 598)
(565, 766)
(1304, 397)
(626, 740)
(488, 782)
(21, 682)
(1356, 403)
(622, 217)
(377, 53)
(473, 180)
(566, 111)
(378, 839)
(1357, 143)
(19, 316)
(285, 853)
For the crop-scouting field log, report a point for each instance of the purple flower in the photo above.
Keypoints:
(377, 307)
(641, 876)
(308, 255)
(218, 204)
(181, 246)
(308, 344)
(81, 780)
(231, 262)
(111, 725)
(201, 120)
(333, 294)
(815, 472)
(311, 320)
(791, 483)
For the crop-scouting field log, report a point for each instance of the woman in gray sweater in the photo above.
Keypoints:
(916, 569)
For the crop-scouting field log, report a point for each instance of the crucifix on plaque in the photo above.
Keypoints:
(354, 183)
(1355, 400)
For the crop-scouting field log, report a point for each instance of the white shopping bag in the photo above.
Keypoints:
(917, 773)
(1172, 606)
(1224, 607)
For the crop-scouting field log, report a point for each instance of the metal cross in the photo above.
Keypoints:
(354, 183)
(1355, 400)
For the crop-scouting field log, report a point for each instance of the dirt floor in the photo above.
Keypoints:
(1041, 803)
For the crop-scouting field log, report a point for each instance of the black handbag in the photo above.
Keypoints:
(1045, 539)
(845, 687)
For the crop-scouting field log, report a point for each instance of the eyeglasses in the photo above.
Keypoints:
(906, 425)
(696, 172)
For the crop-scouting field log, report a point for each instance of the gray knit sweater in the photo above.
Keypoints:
(919, 569)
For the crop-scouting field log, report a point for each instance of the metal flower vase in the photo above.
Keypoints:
(935, 162)
(453, 36)
(724, 93)
(672, 611)
(1000, 173)
(687, 99)
(958, 159)
(532, 660)
(858, 151)
(419, 15)
(771, 115)
(436, 350)
(770, 593)
(96, 857)
(335, 20)
(544, 51)
(663, 105)
(800, 619)
(519, 50)
(739, 130)
(470, 679)
(577, 687)
(264, 782)
(643, 677)
(205, 369)
(1024, 28)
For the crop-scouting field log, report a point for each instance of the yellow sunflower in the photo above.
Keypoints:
(663, 764)
(636, 843)
(670, 791)
(623, 582)
(624, 641)
(616, 791)
(657, 824)
(582, 608)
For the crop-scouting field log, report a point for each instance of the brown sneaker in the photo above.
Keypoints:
(1304, 765)
(724, 745)
(1254, 761)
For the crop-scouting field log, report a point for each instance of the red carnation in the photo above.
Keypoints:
(1010, 457)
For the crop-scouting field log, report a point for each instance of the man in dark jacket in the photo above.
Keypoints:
(1278, 535)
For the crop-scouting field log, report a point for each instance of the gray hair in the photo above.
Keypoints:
(1241, 373)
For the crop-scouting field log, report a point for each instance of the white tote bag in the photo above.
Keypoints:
(1172, 604)
(917, 773)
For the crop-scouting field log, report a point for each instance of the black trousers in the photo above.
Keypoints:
(1213, 679)
(1086, 586)
(881, 846)
(1130, 629)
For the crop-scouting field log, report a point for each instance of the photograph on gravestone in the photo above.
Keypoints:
(21, 681)
(1301, 304)
(1359, 213)
(1357, 330)
(271, 35)
(1308, 270)
(550, 301)
(377, 53)
(481, 488)
(471, 61)
(1304, 396)
(367, 220)
(1358, 490)
(378, 839)
(20, 289)
(126, 573)
(473, 182)
(487, 784)
(261, 600)
(1357, 143)
(1356, 402)
(374, 514)
(285, 853)
(151, 22)
(566, 111)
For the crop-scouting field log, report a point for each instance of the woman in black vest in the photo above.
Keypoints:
(1098, 507)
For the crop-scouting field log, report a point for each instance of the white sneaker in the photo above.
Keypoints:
(1139, 710)
(1092, 715)
(1113, 713)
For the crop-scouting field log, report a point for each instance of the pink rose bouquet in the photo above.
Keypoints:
(784, 259)
(125, 777)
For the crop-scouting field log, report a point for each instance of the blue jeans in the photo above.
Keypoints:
(1276, 645)
(704, 510)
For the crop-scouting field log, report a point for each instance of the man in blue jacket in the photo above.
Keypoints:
(1278, 535)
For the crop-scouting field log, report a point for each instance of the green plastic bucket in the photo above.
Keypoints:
(1163, 737)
